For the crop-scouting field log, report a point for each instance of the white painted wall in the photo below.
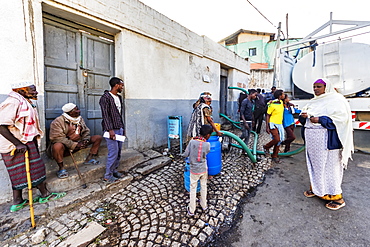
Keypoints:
(159, 60)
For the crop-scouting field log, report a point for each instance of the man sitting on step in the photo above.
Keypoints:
(69, 134)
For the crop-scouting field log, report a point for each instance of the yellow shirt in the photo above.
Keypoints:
(276, 112)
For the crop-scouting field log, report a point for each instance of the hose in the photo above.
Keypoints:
(242, 144)
(255, 141)
(238, 88)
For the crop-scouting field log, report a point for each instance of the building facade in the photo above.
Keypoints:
(70, 49)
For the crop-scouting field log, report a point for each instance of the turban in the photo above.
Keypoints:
(21, 84)
(320, 81)
(68, 107)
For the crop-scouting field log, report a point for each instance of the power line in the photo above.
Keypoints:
(265, 18)
(261, 13)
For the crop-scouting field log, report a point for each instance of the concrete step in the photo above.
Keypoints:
(90, 173)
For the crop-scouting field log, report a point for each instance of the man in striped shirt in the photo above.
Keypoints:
(111, 107)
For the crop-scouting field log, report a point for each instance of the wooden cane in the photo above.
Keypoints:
(84, 186)
(29, 183)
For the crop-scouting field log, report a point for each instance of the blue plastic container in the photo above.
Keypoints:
(187, 176)
(214, 162)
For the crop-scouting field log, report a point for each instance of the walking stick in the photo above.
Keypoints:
(29, 183)
(84, 186)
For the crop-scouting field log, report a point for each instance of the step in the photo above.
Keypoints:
(90, 173)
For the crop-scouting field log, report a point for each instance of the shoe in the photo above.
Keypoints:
(189, 213)
(62, 174)
(266, 151)
(334, 205)
(17, 207)
(205, 210)
(309, 194)
(92, 162)
(117, 175)
(276, 160)
(110, 180)
(53, 196)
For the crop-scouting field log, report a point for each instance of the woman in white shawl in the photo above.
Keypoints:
(328, 136)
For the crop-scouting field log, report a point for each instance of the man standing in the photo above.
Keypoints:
(69, 133)
(270, 96)
(246, 115)
(259, 111)
(20, 130)
(111, 107)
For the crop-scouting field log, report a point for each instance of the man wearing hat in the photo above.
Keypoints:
(69, 133)
(20, 131)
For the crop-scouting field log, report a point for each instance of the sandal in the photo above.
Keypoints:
(110, 180)
(92, 162)
(266, 151)
(334, 205)
(276, 160)
(309, 194)
(53, 196)
(17, 207)
(62, 174)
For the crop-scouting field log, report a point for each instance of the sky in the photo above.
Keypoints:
(218, 19)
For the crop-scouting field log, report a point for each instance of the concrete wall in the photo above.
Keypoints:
(161, 62)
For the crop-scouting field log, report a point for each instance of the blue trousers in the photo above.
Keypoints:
(114, 154)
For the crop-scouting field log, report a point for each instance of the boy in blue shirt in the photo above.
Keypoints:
(197, 151)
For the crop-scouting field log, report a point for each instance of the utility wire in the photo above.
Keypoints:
(265, 17)
(261, 13)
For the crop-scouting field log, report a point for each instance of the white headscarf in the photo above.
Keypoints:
(335, 106)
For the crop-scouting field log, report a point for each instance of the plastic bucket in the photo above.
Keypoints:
(187, 176)
(218, 126)
(214, 162)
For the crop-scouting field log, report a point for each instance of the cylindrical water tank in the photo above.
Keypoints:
(214, 162)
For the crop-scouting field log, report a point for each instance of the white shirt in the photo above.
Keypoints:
(117, 102)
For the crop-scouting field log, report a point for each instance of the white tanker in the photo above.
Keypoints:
(344, 63)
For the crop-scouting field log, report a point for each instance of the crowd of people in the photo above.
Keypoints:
(326, 124)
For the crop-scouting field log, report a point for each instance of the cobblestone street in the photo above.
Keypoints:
(151, 210)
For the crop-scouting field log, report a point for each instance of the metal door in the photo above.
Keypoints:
(223, 91)
(77, 69)
(97, 66)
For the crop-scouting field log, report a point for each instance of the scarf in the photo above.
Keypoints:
(26, 119)
(196, 120)
(335, 106)
(73, 120)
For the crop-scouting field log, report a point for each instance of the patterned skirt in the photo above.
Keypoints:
(324, 166)
(16, 167)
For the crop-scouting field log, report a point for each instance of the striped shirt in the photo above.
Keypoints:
(112, 119)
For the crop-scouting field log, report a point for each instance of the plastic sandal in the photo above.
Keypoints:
(62, 174)
(17, 207)
(54, 195)
(92, 162)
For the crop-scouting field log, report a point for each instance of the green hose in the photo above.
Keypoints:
(236, 138)
(255, 141)
(238, 88)
(280, 154)
(236, 124)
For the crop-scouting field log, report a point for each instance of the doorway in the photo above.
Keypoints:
(79, 62)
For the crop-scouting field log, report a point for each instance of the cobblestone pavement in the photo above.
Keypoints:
(151, 211)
